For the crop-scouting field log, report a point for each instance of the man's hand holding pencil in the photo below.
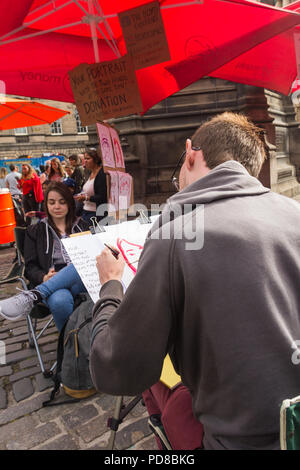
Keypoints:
(110, 265)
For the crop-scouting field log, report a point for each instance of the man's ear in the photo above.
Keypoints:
(190, 154)
(188, 145)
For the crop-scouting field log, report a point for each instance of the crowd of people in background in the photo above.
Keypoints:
(81, 173)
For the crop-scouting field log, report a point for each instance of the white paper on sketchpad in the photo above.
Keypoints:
(83, 251)
(127, 237)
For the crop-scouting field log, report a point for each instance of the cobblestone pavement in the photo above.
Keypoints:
(26, 424)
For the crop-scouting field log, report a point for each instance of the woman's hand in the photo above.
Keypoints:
(109, 267)
(30, 214)
(81, 197)
(50, 274)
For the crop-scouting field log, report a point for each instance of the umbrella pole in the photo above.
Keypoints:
(93, 31)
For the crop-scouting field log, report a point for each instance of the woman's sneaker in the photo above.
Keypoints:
(20, 305)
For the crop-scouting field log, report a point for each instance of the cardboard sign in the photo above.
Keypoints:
(105, 90)
(120, 191)
(125, 190)
(119, 157)
(85, 96)
(144, 35)
(297, 51)
(113, 188)
(105, 144)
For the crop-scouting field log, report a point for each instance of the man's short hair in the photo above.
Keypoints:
(75, 158)
(12, 167)
(230, 136)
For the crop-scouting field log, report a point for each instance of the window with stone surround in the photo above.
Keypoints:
(21, 131)
(56, 127)
(80, 128)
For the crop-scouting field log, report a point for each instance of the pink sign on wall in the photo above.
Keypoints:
(113, 198)
(125, 189)
(119, 157)
(106, 147)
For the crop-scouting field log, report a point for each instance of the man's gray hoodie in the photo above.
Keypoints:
(228, 312)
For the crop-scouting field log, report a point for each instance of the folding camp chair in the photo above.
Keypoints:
(16, 274)
(290, 424)
(120, 412)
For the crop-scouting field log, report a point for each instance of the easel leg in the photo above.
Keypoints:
(119, 414)
(113, 425)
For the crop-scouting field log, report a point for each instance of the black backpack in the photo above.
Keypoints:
(72, 369)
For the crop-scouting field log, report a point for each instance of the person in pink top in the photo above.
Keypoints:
(56, 170)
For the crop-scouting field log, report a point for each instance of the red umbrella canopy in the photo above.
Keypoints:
(271, 64)
(16, 113)
(54, 36)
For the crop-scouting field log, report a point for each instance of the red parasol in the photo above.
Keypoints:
(16, 113)
(51, 37)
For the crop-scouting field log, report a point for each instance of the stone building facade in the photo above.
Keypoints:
(152, 143)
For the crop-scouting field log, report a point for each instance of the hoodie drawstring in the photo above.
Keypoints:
(47, 237)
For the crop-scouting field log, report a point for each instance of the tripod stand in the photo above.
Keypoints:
(120, 412)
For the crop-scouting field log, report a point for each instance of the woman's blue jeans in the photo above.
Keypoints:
(59, 293)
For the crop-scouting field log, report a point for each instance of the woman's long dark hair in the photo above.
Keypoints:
(66, 194)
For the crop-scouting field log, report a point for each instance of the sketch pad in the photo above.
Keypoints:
(128, 237)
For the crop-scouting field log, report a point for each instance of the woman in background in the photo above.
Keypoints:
(56, 172)
(77, 172)
(94, 191)
(31, 187)
(3, 173)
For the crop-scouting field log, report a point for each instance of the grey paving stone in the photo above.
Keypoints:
(33, 361)
(47, 339)
(13, 347)
(20, 331)
(132, 433)
(37, 436)
(5, 370)
(47, 414)
(23, 389)
(148, 443)
(79, 416)
(4, 336)
(21, 409)
(43, 383)
(106, 402)
(65, 442)
(19, 355)
(50, 347)
(93, 428)
(3, 398)
(10, 431)
(17, 339)
(5, 329)
(24, 373)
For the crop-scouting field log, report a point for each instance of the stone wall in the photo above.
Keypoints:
(152, 143)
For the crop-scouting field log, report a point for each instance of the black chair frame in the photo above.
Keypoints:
(16, 274)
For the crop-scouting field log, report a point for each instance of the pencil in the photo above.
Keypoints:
(114, 252)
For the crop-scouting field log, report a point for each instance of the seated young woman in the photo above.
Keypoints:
(45, 255)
